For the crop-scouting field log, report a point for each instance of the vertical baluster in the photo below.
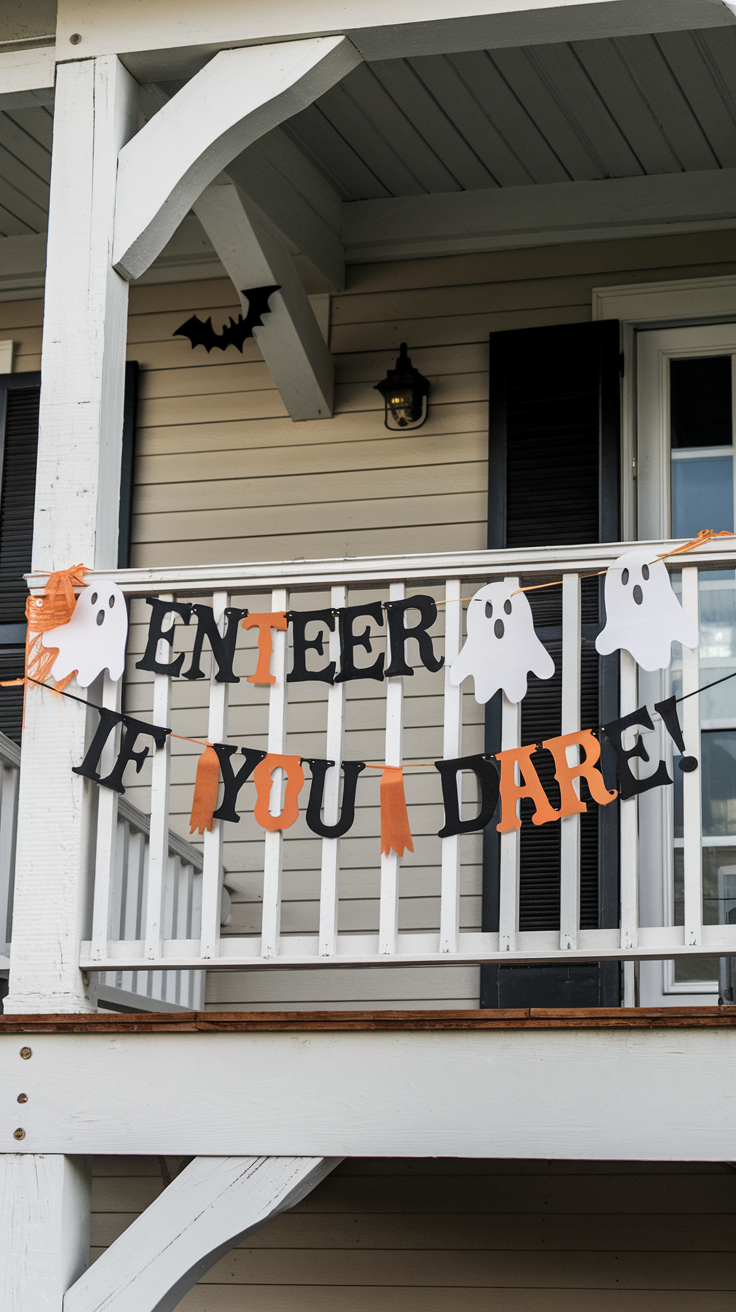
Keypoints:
(629, 814)
(570, 826)
(508, 908)
(328, 895)
(388, 919)
(274, 840)
(213, 838)
(692, 822)
(158, 853)
(107, 830)
(451, 747)
(8, 827)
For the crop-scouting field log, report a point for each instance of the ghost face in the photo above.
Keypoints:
(643, 615)
(501, 646)
(95, 637)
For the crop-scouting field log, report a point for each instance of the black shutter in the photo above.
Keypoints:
(19, 400)
(553, 479)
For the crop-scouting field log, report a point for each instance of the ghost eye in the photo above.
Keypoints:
(111, 602)
(624, 577)
(489, 610)
(93, 598)
(645, 572)
(507, 607)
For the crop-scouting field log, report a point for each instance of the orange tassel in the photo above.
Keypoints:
(395, 831)
(54, 608)
(206, 785)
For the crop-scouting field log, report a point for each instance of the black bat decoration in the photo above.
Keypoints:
(201, 333)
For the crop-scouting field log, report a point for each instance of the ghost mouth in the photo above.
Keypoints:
(100, 617)
(637, 594)
(498, 628)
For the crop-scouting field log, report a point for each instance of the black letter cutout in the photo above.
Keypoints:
(349, 641)
(628, 786)
(350, 770)
(398, 633)
(234, 782)
(668, 711)
(299, 621)
(155, 634)
(132, 730)
(223, 647)
(486, 773)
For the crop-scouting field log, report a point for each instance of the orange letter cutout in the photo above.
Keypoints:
(294, 784)
(531, 786)
(565, 773)
(264, 623)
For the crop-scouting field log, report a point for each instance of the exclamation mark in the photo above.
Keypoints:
(668, 711)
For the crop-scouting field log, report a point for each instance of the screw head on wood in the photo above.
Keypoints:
(75, 38)
(22, 1097)
(19, 1134)
(25, 1053)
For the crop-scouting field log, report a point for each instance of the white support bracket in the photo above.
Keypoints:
(232, 102)
(256, 255)
(208, 1209)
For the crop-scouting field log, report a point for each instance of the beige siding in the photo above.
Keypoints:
(435, 1236)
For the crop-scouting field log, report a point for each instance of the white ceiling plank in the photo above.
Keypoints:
(670, 106)
(593, 121)
(612, 77)
(16, 138)
(238, 97)
(368, 138)
(527, 81)
(685, 56)
(337, 159)
(290, 339)
(411, 227)
(480, 132)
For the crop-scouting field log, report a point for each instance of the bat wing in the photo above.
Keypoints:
(199, 333)
(258, 298)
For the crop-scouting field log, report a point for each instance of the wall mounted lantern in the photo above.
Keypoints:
(404, 391)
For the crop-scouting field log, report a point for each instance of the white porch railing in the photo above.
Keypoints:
(148, 943)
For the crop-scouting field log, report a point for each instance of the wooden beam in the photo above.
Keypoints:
(163, 39)
(211, 1206)
(27, 77)
(455, 222)
(44, 1227)
(255, 255)
(544, 1091)
(238, 97)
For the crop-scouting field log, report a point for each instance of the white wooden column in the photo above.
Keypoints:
(44, 1226)
(77, 495)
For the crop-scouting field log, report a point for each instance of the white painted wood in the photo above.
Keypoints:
(193, 580)
(9, 776)
(106, 846)
(570, 825)
(44, 1225)
(508, 910)
(26, 77)
(274, 839)
(420, 28)
(211, 1206)
(629, 818)
(329, 877)
(235, 99)
(158, 843)
(552, 1094)
(458, 222)
(692, 298)
(388, 913)
(255, 255)
(212, 868)
(76, 513)
(6, 357)
(452, 741)
(692, 782)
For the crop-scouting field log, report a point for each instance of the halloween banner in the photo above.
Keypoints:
(82, 638)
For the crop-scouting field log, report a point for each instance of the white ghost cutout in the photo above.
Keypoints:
(95, 637)
(643, 615)
(501, 646)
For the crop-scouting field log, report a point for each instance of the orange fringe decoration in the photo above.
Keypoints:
(395, 831)
(206, 785)
(54, 608)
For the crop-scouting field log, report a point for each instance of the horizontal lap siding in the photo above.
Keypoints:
(523, 1236)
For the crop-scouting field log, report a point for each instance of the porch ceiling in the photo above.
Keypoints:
(25, 167)
(569, 112)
